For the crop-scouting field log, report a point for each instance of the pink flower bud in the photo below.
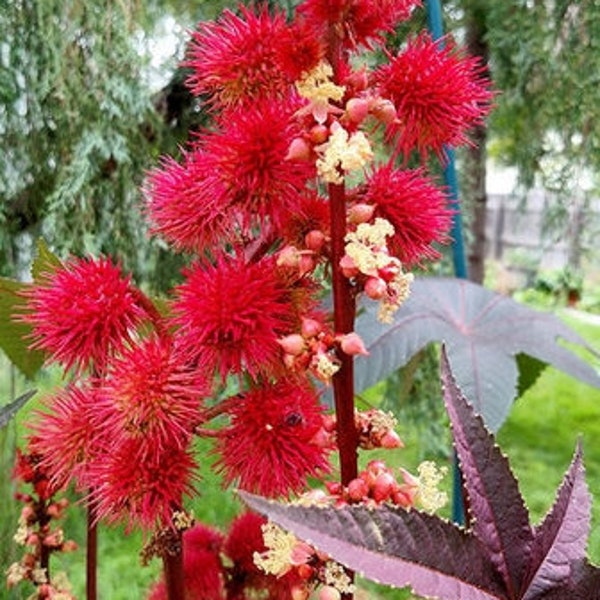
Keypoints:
(322, 439)
(390, 439)
(352, 344)
(348, 267)
(383, 487)
(288, 257)
(360, 213)
(69, 546)
(357, 109)
(310, 328)
(301, 553)
(358, 80)
(292, 344)
(306, 264)
(357, 489)
(334, 487)
(375, 288)
(329, 422)
(54, 539)
(404, 496)
(28, 514)
(385, 111)
(299, 592)
(319, 134)
(54, 510)
(328, 592)
(389, 272)
(376, 466)
(314, 240)
(299, 149)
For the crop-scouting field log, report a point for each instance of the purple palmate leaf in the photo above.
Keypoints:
(500, 518)
(500, 558)
(484, 332)
(393, 546)
(561, 538)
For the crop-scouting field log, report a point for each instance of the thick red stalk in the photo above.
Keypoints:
(344, 309)
(44, 520)
(173, 569)
(344, 312)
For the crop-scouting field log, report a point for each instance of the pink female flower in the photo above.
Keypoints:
(268, 447)
(187, 204)
(83, 312)
(415, 206)
(150, 392)
(142, 481)
(363, 22)
(439, 93)
(239, 59)
(65, 435)
(232, 313)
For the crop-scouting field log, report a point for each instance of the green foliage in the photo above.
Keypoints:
(77, 126)
(538, 47)
(13, 334)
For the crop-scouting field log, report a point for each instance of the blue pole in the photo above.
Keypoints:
(436, 27)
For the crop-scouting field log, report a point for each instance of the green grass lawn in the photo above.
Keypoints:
(539, 438)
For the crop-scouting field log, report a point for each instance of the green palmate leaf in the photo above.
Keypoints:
(10, 410)
(484, 333)
(14, 334)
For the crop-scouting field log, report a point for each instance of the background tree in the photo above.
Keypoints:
(544, 58)
(81, 120)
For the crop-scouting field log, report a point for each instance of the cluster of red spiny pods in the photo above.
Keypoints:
(283, 198)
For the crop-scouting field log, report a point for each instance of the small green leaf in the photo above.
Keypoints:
(14, 334)
(10, 410)
(45, 261)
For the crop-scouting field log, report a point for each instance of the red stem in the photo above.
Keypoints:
(344, 310)
(173, 569)
(91, 585)
(43, 520)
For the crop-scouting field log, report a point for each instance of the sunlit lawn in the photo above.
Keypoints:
(539, 438)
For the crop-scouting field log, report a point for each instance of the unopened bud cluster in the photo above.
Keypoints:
(368, 262)
(37, 534)
(304, 260)
(376, 429)
(375, 485)
(315, 349)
